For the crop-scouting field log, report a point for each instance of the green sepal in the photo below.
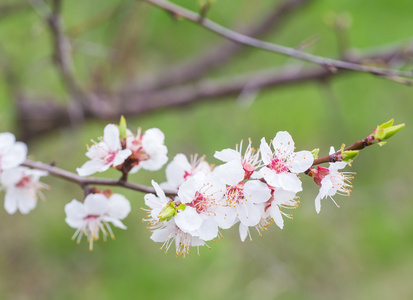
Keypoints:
(122, 127)
(181, 207)
(349, 156)
(315, 152)
(387, 124)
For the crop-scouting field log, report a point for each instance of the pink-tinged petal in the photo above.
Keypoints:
(99, 150)
(248, 214)
(266, 153)
(301, 161)
(208, 230)
(283, 143)
(227, 155)
(175, 173)
(92, 166)
(163, 234)
(111, 137)
(290, 182)
(10, 201)
(157, 160)
(188, 220)
(121, 156)
(225, 217)
(119, 206)
(256, 191)
(7, 140)
(135, 169)
(275, 213)
(75, 212)
(96, 204)
(243, 231)
(15, 156)
(230, 173)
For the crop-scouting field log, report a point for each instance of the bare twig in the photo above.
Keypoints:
(218, 55)
(85, 181)
(331, 64)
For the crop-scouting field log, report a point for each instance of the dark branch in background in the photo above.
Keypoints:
(39, 117)
(218, 55)
(332, 64)
(7, 10)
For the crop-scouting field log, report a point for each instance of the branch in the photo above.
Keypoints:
(218, 55)
(40, 117)
(246, 40)
(85, 181)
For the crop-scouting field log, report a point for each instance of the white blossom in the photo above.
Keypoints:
(283, 164)
(148, 150)
(334, 183)
(22, 189)
(105, 154)
(180, 170)
(94, 215)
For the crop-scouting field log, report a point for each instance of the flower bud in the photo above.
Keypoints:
(385, 131)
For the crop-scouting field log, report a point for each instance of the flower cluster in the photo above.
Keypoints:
(252, 188)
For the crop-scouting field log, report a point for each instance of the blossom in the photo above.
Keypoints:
(200, 194)
(334, 182)
(94, 214)
(148, 150)
(22, 189)
(12, 153)
(241, 198)
(283, 164)
(105, 154)
(162, 217)
(180, 170)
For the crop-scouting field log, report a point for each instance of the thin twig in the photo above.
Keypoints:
(246, 40)
(85, 181)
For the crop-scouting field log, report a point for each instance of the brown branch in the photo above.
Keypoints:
(218, 55)
(39, 117)
(246, 40)
(85, 181)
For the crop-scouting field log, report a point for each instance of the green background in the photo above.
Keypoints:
(363, 250)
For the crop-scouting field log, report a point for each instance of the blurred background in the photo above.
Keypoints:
(114, 52)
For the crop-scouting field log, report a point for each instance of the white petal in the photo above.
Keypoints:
(230, 173)
(318, 203)
(208, 230)
(243, 231)
(7, 140)
(289, 182)
(92, 166)
(121, 156)
(96, 204)
(119, 206)
(275, 213)
(15, 156)
(188, 220)
(163, 234)
(153, 135)
(282, 196)
(248, 214)
(266, 153)
(75, 212)
(301, 161)
(270, 177)
(256, 191)
(227, 155)
(111, 137)
(188, 189)
(10, 202)
(225, 216)
(116, 222)
(283, 143)
(26, 202)
(12, 177)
